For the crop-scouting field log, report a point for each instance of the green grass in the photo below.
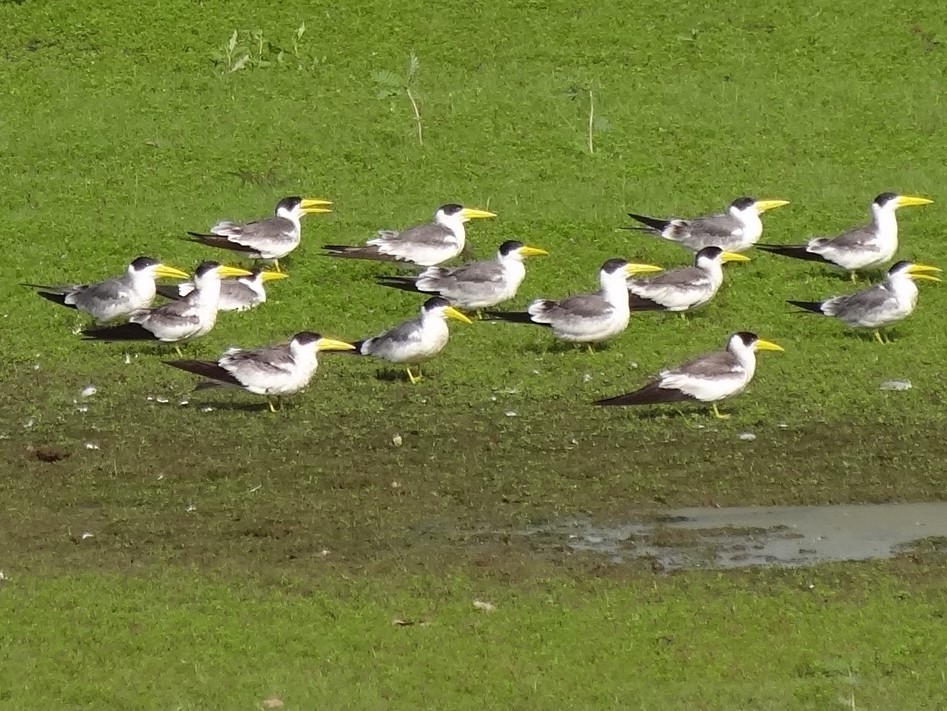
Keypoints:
(799, 641)
(121, 130)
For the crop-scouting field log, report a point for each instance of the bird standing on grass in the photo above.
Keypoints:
(736, 230)
(271, 238)
(425, 245)
(274, 371)
(860, 248)
(114, 298)
(240, 294)
(585, 318)
(708, 378)
(176, 321)
(476, 285)
(685, 289)
(416, 341)
(877, 306)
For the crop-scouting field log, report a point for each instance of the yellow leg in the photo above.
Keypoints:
(591, 350)
(270, 403)
(879, 337)
(854, 276)
(479, 314)
(683, 316)
(414, 380)
(719, 415)
(178, 349)
(276, 265)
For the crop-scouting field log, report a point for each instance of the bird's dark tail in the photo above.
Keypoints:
(813, 306)
(350, 252)
(639, 303)
(396, 282)
(652, 222)
(792, 251)
(122, 332)
(206, 369)
(55, 297)
(168, 291)
(650, 394)
(212, 240)
(512, 317)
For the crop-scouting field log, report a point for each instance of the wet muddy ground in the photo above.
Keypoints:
(735, 537)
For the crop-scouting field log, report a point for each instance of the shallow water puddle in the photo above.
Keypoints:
(787, 536)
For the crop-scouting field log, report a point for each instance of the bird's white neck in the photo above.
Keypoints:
(745, 354)
(714, 270)
(750, 219)
(455, 224)
(305, 357)
(208, 293)
(885, 221)
(513, 267)
(294, 216)
(143, 284)
(904, 289)
(614, 289)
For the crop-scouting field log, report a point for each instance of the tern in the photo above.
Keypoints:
(708, 378)
(416, 341)
(877, 306)
(271, 238)
(735, 230)
(586, 318)
(476, 285)
(859, 248)
(114, 298)
(681, 290)
(425, 245)
(240, 294)
(273, 371)
(176, 321)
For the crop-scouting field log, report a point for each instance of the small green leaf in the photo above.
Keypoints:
(386, 78)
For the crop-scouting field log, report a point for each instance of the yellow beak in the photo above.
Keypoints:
(312, 206)
(764, 205)
(532, 252)
(469, 213)
(225, 271)
(330, 344)
(453, 313)
(272, 276)
(163, 270)
(733, 257)
(920, 271)
(911, 201)
(762, 345)
(632, 269)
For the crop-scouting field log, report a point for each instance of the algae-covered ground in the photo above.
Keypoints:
(154, 552)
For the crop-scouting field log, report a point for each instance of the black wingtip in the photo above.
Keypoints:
(792, 251)
(122, 332)
(396, 282)
(811, 306)
(639, 303)
(168, 292)
(651, 222)
(511, 317)
(54, 297)
(650, 394)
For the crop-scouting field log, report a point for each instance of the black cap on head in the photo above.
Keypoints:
(885, 198)
(142, 263)
(614, 265)
(510, 246)
(748, 338)
(304, 338)
(708, 253)
(289, 203)
(451, 208)
(742, 203)
(205, 267)
(899, 266)
(435, 302)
